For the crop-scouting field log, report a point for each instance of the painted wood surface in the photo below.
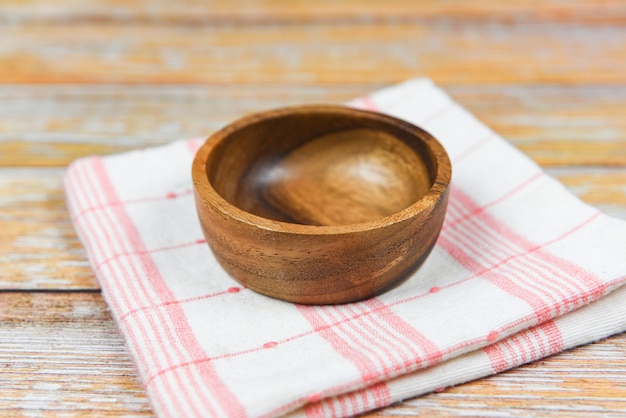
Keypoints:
(40, 251)
(69, 360)
(62, 354)
(51, 125)
(246, 11)
(80, 78)
(319, 53)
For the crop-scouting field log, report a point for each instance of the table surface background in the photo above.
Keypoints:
(78, 78)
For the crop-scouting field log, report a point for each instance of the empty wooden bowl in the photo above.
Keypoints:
(321, 204)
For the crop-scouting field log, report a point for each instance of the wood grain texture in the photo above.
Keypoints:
(291, 230)
(347, 177)
(39, 248)
(53, 125)
(554, 125)
(571, 384)
(249, 11)
(61, 355)
(320, 54)
(70, 360)
(111, 75)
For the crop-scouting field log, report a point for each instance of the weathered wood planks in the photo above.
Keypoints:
(272, 11)
(53, 125)
(61, 354)
(320, 53)
(79, 78)
(39, 248)
(572, 384)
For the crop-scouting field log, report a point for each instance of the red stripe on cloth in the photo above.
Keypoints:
(327, 325)
(184, 338)
(536, 336)
(540, 307)
(594, 286)
(488, 250)
(473, 209)
(531, 262)
(100, 206)
(114, 287)
(402, 348)
(516, 348)
(327, 407)
(75, 204)
(431, 354)
(555, 338)
(117, 255)
(331, 332)
(350, 334)
(531, 337)
(230, 290)
(368, 103)
(570, 275)
(438, 113)
(529, 271)
(316, 409)
(120, 230)
(496, 357)
(459, 348)
(547, 337)
(539, 273)
(376, 396)
(80, 197)
(380, 340)
(194, 144)
(460, 157)
(160, 325)
(532, 353)
(468, 343)
(355, 333)
(79, 176)
(512, 349)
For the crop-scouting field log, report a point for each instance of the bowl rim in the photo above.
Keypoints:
(204, 190)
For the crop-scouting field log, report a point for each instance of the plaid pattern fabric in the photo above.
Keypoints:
(522, 270)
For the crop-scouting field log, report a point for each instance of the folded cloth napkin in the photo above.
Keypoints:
(522, 270)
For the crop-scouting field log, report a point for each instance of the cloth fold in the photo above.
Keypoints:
(522, 270)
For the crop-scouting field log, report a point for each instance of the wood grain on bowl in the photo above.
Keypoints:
(346, 177)
(108, 76)
(321, 204)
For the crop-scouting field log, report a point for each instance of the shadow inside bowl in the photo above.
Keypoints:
(321, 204)
(343, 177)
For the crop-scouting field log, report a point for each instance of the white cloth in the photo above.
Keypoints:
(522, 270)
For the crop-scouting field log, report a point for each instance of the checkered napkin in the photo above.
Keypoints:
(522, 270)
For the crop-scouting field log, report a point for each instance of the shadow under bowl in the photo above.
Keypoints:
(321, 204)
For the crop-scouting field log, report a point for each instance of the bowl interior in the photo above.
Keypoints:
(322, 167)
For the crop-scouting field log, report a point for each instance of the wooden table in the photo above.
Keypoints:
(111, 75)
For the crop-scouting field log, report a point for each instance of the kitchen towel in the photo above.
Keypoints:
(522, 270)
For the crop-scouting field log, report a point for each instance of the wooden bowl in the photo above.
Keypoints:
(321, 204)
